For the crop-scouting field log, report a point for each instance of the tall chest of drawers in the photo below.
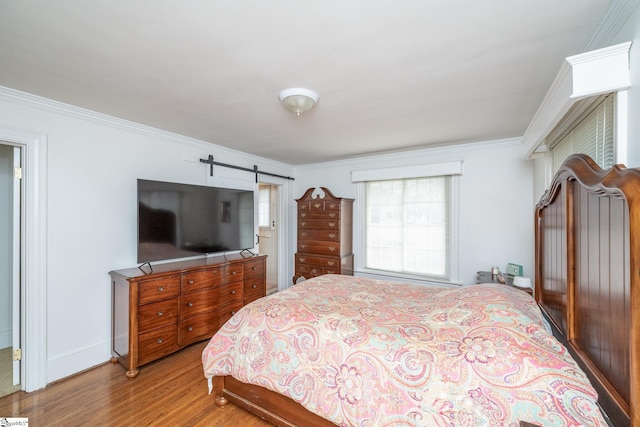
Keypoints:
(325, 235)
(160, 310)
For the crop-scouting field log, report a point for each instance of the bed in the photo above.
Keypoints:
(353, 351)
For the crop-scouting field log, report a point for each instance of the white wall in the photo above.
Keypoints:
(630, 31)
(93, 163)
(496, 199)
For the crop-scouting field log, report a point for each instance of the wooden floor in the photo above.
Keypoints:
(169, 392)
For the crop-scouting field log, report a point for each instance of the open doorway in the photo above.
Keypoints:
(10, 267)
(268, 231)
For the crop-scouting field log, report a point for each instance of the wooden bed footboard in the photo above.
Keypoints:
(268, 405)
(588, 273)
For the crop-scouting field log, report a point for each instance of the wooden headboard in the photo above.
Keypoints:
(587, 233)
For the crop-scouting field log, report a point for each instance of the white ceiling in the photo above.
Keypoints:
(390, 75)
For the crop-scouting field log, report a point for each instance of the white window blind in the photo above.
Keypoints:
(593, 135)
(407, 226)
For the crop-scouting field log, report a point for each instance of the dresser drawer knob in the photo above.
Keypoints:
(190, 304)
(332, 215)
(160, 314)
(332, 224)
(233, 272)
(189, 329)
(191, 281)
(254, 286)
(160, 340)
(233, 312)
(254, 268)
(160, 288)
(233, 292)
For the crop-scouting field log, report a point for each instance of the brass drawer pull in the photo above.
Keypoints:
(233, 292)
(191, 281)
(160, 340)
(254, 268)
(190, 304)
(160, 314)
(189, 329)
(254, 286)
(233, 272)
(160, 288)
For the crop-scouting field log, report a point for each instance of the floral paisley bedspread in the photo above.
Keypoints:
(373, 353)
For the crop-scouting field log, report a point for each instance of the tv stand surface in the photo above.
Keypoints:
(159, 311)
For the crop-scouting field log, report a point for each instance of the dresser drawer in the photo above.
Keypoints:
(154, 315)
(319, 215)
(208, 278)
(322, 235)
(309, 271)
(319, 261)
(199, 301)
(157, 343)
(322, 224)
(229, 293)
(226, 312)
(233, 272)
(198, 327)
(254, 288)
(254, 268)
(320, 248)
(158, 289)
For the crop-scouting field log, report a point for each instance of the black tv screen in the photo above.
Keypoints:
(183, 220)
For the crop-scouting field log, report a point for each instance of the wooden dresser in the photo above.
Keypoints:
(325, 235)
(159, 311)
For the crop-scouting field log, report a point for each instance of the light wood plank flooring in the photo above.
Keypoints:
(169, 392)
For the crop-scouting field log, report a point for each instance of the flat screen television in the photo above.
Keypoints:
(182, 220)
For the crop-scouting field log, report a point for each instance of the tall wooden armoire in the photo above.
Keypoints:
(325, 235)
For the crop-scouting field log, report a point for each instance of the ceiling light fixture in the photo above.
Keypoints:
(298, 100)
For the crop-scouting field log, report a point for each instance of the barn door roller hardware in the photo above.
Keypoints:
(255, 170)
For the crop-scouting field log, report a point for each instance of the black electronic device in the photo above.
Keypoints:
(184, 220)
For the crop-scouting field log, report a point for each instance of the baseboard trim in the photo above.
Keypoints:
(70, 364)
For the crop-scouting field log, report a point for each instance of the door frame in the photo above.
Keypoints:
(282, 189)
(17, 272)
(33, 303)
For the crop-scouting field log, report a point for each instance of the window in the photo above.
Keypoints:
(407, 227)
(407, 223)
(587, 129)
(264, 206)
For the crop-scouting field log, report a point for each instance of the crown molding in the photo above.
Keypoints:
(588, 74)
(615, 18)
(459, 148)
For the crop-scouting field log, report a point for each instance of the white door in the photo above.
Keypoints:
(268, 232)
